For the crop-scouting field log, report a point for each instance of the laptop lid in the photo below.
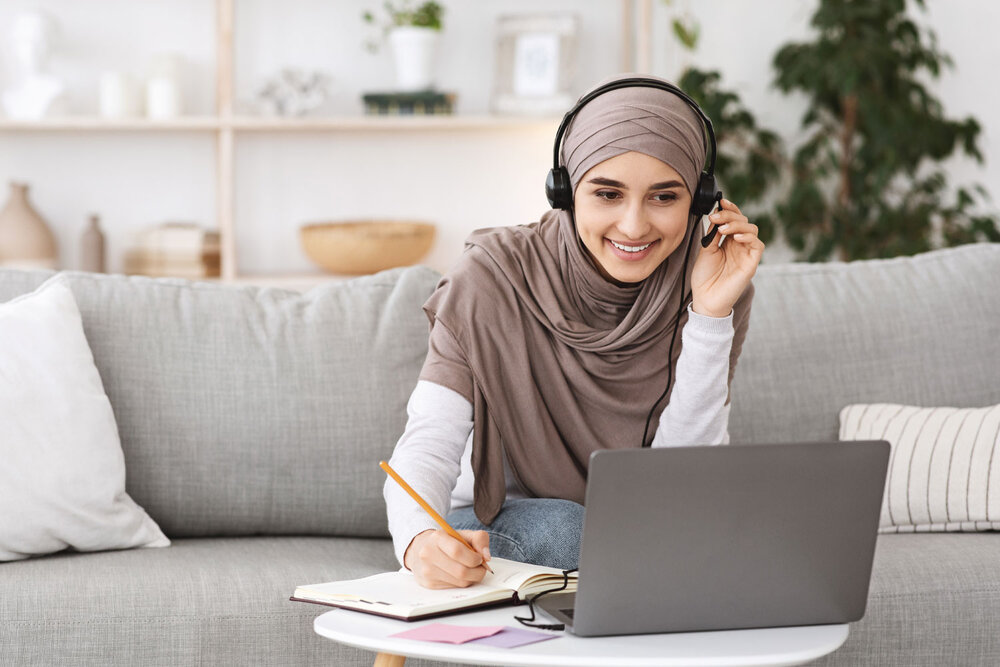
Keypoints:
(709, 538)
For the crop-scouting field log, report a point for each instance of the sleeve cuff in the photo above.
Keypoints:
(710, 325)
(415, 528)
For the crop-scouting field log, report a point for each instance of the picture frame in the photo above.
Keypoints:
(535, 66)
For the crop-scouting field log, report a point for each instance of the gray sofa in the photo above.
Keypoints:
(252, 421)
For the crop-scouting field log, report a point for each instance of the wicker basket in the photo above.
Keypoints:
(366, 246)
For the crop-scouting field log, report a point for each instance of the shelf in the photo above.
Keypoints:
(429, 122)
(261, 124)
(225, 126)
(96, 123)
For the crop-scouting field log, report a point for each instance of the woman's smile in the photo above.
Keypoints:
(631, 252)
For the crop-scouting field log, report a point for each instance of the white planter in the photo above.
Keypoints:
(414, 50)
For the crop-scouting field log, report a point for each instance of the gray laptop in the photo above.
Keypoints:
(719, 538)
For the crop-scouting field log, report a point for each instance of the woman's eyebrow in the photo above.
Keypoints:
(665, 185)
(600, 180)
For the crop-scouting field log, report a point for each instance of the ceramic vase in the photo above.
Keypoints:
(25, 240)
(414, 50)
(92, 243)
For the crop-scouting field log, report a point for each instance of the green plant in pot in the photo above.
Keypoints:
(413, 33)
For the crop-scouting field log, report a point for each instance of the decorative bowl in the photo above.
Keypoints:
(366, 246)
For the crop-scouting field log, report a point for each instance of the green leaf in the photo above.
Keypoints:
(687, 35)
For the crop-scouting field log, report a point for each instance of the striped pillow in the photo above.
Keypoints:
(944, 470)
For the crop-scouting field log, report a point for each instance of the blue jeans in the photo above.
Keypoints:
(542, 531)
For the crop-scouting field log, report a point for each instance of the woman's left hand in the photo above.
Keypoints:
(721, 274)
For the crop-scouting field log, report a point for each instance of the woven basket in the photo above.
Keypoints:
(366, 246)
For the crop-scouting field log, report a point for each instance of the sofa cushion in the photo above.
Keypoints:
(944, 474)
(922, 330)
(249, 411)
(62, 481)
(934, 600)
(199, 602)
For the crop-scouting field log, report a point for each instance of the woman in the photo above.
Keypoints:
(552, 340)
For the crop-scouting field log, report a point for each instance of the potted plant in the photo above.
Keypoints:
(413, 35)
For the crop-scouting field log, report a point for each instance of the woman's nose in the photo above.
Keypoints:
(633, 223)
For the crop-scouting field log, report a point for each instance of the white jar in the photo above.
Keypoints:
(117, 95)
(163, 86)
(163, 98)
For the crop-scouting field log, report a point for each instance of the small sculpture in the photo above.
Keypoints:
(35, 93)
(294, 92)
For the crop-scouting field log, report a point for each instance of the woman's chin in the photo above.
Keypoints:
(633, 272)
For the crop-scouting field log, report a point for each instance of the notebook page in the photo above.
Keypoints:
(394, 589)
(512, 574)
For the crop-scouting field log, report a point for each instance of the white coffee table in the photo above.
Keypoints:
(771, 646)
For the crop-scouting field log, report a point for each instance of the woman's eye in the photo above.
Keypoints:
(665, 196)
(609, 195)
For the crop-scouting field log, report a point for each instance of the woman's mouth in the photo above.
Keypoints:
(629, 252)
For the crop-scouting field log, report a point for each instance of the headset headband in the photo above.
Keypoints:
(641, 82)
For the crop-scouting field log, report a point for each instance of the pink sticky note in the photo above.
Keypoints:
(451, 634)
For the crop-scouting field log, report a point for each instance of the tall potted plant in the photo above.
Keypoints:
(413, 35)
(867, 182)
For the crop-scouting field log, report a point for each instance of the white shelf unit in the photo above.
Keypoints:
(226, 125)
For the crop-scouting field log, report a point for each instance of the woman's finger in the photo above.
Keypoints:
(454, 572)
(724, 215)
(441, 578)
(726, 204)
(731, 228)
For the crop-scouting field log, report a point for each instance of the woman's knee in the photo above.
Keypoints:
(546, 530)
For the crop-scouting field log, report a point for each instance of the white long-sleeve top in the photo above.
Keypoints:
(434, 453)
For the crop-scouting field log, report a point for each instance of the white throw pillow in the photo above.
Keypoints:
(62, 472)
(944, 470)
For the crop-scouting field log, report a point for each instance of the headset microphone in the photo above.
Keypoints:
(705, 240)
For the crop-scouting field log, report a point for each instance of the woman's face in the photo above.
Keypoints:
(631, 213)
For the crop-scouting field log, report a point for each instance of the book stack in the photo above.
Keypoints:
(426, 102)
(175, 249)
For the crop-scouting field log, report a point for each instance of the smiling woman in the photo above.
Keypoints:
(555, 339)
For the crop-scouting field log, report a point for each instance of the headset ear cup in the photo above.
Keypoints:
(558, 189)
(704, 197)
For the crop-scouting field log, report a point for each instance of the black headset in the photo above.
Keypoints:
(559, 189)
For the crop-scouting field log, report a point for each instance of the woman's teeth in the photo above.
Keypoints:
(630, 248)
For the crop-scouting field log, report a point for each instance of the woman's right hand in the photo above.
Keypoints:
(438, 560)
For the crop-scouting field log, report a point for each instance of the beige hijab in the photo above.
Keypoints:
(563, 362)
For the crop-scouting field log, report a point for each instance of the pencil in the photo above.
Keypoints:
(430, 510)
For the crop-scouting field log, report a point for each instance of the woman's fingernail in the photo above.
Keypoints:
(714, 216)
(724, 228)
(487, 552)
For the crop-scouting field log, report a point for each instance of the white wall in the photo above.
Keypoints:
(461, 179)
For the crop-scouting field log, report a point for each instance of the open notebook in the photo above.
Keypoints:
(398, 595)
